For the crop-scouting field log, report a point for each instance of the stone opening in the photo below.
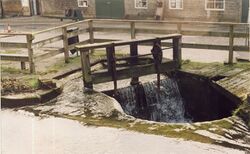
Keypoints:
(182, 98)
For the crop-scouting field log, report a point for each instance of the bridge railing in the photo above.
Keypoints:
(134, 71)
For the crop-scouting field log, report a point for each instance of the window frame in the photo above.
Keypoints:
(170, 7)
(215, 9)
(79, 3)
(141, 7)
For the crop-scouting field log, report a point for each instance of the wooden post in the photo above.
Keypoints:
(134, 61)
(91, 33)
(177, 50)
(179, 27)
(132, 30)
(29, 39)
(23, 67)
(86, 70)
(231, 44)
(112, 64)
(65, 44)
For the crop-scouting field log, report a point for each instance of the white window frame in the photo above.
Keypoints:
(80, 2)
(215, 9)
(176, 8)
(140, 7)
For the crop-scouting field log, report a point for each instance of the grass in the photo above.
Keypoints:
(9, 52)
(187, 64)
(31, 81)
(61, 65)
(163, 130)
(243, 111)
(12, 70)
(167, 130)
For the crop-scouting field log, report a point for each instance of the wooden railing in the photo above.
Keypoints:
(134, 70)
(229, 30)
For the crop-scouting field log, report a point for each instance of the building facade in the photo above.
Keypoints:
(19, 7)
(199, 10)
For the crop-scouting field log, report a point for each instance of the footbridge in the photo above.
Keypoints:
(132, 66)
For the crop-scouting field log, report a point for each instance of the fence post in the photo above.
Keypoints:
(177, 50)
(231, 44)
(29, 39)
(91, 33)
(132, 29)
(86, 70)
(111, 60)
(65, 44)
(134, 61)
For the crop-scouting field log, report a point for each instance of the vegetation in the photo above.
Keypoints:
(187, 64)
(12, 70)
(9, 52)
(184, 131)
(244, 112)
(61, 65)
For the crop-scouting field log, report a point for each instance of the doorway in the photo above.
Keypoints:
(113, 9)
(245, 11)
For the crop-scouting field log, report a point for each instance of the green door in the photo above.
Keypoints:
(245, 10)
(109, 9)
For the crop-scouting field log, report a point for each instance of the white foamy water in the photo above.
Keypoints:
(25, 134)
(164, 105)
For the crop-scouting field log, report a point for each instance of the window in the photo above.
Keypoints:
(141, 4)
(176, 4)
(215, 5)
(82, 3)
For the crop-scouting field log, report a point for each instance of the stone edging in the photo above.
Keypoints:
(42, 97)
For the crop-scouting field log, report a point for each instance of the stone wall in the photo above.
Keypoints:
(139, 13)
(192, 10)
(15, 8)
(12, 7)
(195, 10)
(58, 7)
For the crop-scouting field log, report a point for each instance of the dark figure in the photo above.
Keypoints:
(157, 55)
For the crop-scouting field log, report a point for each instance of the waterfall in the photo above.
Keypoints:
(146, 101)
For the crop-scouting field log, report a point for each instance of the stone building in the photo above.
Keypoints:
(201, 10)
(20, 7)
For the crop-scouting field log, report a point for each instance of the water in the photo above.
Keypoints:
(146, 101)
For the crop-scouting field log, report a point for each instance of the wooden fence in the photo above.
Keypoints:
(91, 26)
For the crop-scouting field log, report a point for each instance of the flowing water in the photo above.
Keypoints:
(146, 101)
